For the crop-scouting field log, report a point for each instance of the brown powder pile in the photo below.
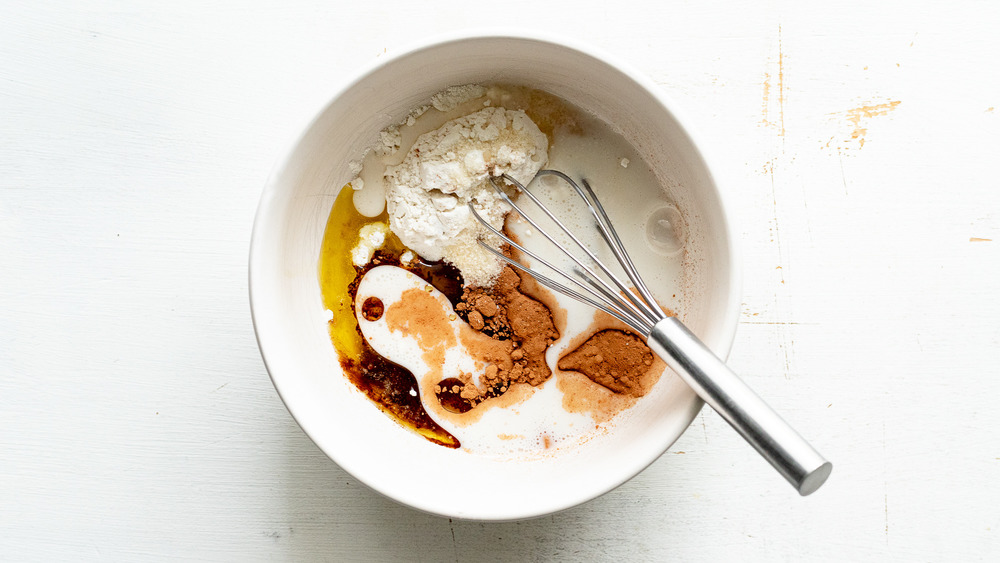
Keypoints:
(509, 332)
(504, 313)
(426, 318)
(616, 359)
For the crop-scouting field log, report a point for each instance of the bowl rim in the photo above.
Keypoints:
(262, 219)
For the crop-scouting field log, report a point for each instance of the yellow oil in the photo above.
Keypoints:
(385, 383)
(337, 271)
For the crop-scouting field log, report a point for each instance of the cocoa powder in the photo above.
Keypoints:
(504, 313)
(508, 333)
(613, 358)
(426, 318)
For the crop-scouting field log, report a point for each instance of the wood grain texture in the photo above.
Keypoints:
(858, 145)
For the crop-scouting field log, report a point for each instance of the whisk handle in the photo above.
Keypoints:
(713, 381)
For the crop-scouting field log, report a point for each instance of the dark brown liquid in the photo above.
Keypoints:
(444, 277)
(391, 386)
(451, 398)
(372, 309)
(450, 395)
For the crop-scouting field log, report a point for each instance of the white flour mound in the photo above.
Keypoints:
(427, 194)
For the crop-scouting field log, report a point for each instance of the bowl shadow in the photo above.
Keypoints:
(332, 516)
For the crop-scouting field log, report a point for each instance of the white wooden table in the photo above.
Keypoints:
(860, 146)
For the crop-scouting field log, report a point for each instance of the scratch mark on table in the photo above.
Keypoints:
(221, 386)
(886, 498)
(774, 208)
(843, 176)
(454, 543)
(781, 270)
(766, 120)
(229, 437)
(781, 84)
(767, 99)
(788, 361)
(885, 487)
(805, 213)
(977, 239)
(704, 428)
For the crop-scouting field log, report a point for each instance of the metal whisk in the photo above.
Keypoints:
(702, 370)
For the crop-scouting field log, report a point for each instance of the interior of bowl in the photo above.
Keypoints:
(290, 319)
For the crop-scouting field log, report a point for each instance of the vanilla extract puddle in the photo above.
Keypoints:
(449, 394)
(390, 385)
(372, 309)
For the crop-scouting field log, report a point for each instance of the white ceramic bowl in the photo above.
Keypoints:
(289, 315)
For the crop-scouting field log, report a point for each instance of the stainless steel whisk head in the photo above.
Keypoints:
(638, 310)
(634, 305)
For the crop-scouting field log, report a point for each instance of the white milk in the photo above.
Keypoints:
(517, 430)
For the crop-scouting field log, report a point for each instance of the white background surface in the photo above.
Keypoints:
(137, 420)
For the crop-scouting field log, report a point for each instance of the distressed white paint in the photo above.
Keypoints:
(137, 420)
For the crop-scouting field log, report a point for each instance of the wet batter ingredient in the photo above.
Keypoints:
(389, 385)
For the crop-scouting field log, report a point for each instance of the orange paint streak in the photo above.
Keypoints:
(767, 98)
(781, 84)
(856, 115)
(977, 239)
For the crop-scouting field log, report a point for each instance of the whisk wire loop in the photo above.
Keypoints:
(611, 237)
(642, 310)
(611, 308)
(647, 303)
